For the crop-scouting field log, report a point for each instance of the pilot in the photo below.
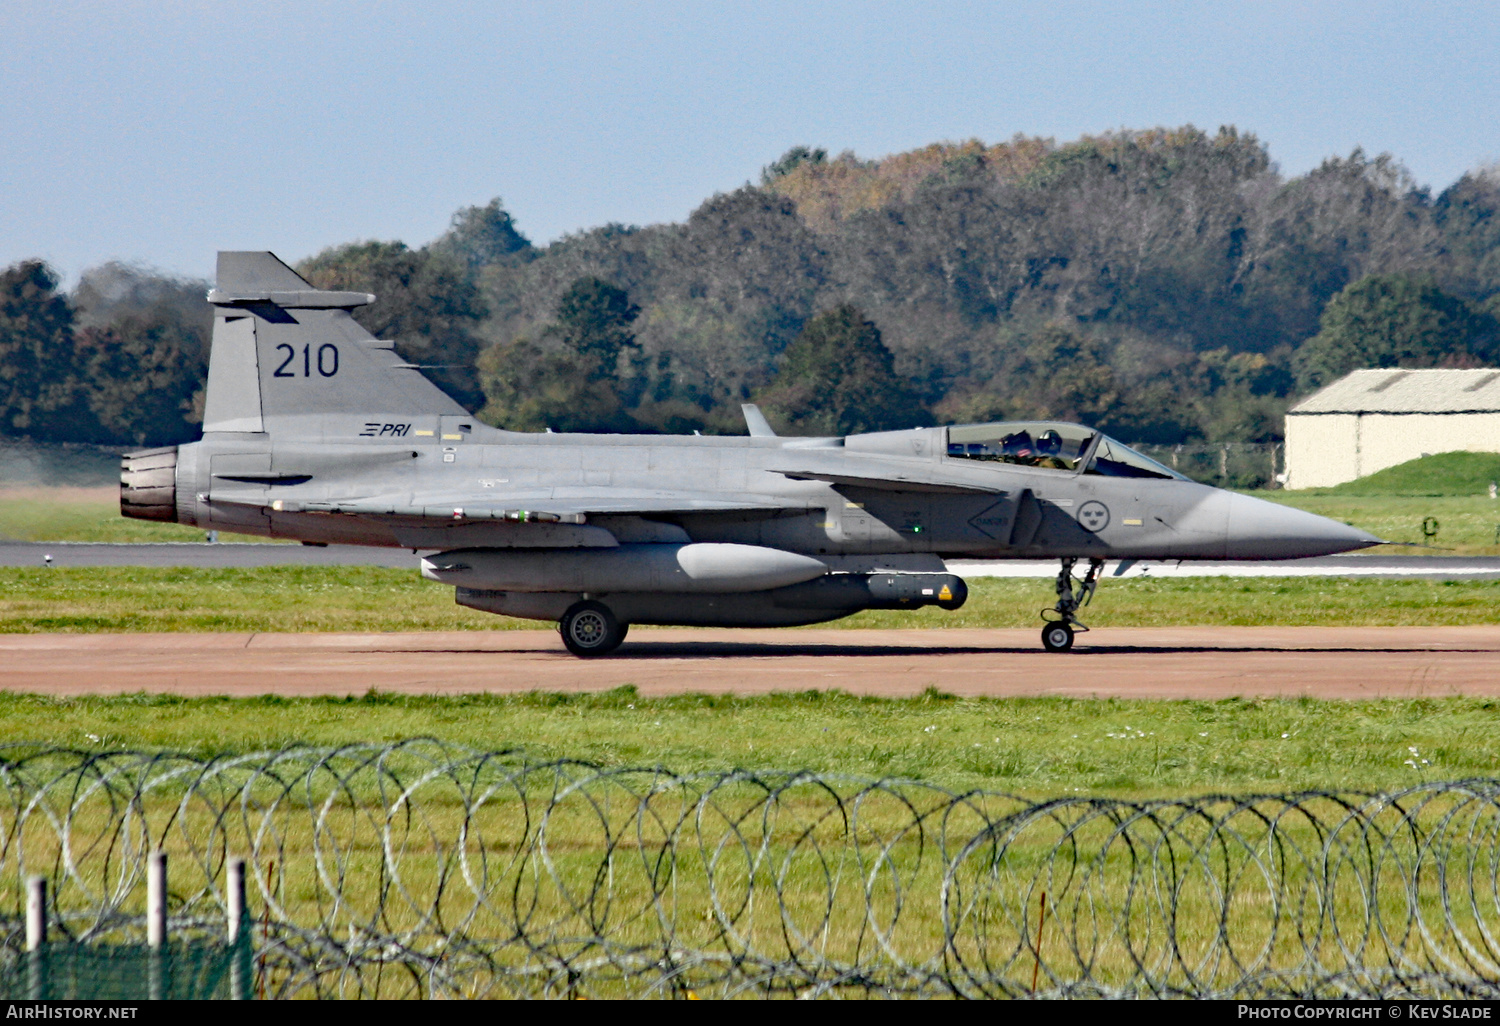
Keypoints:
(1049, 450)
(1018, 448)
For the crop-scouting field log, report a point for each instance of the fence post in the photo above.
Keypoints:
(36, 938)
(238, 933)
(36, 912)
(1224, 465)
(156, 923)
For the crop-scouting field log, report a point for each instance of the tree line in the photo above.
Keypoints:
(1168, 285)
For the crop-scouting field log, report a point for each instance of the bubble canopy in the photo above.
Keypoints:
(1052, 445)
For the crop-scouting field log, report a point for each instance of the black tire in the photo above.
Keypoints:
(589, 629)
(1057, 637)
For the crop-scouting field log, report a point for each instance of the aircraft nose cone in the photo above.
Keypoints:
(1258, 529)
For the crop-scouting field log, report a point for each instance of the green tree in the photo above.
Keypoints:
(1164, 243)
(594, 320)
(1065, 371)
(425, 302)
(143, 341)
(41, 378)
(790, 161)
(114, 291)
(1312, 236)
(1238, 396)
(1468, 212)
(747, 257)
(838, 378)
(481, 236)
(145, 381)
(1393, 321)
(580, 374)
(1064, 374)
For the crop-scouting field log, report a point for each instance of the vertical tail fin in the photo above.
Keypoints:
(755, 421)
(288, 358)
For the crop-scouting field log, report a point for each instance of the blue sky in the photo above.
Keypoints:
(161, 132)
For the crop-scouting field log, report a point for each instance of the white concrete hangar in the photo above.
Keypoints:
(1375, 419)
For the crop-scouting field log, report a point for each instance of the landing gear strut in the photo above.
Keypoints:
(1062, 623)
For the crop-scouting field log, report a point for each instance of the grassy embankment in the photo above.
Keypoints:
(1451, 488)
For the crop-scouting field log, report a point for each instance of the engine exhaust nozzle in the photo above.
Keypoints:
(148, 484)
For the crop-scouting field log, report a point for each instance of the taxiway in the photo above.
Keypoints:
(1185, 663)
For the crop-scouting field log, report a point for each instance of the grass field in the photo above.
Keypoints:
(84, 515)
(1033, 746)
(353, 598)
(1466, 525)
(1449, 491)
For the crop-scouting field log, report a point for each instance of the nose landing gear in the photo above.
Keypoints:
(1062, 623)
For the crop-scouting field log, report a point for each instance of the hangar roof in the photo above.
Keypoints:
(1392, 390)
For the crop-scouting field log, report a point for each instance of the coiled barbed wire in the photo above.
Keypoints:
(419, 869)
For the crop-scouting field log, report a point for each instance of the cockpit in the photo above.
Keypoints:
(1050, 445)
(1053, 446)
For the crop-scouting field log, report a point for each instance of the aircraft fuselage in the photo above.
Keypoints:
(316, 431)
(928, 502)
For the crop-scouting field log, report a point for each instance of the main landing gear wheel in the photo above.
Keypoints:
(1057, 637)
(589, 629)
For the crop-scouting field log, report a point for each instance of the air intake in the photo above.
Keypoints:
(148, 484)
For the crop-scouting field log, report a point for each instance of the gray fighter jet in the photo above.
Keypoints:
(315, 430)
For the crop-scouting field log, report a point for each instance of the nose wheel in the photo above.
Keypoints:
(1072, 594)
(1057, 637)
(590, 629)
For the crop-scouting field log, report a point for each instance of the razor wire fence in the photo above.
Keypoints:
(418, 869)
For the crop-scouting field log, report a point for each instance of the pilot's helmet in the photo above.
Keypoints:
(1049, 443)
(1018, 444)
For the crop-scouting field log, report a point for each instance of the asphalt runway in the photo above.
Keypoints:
(1172, 663)
(253, 554)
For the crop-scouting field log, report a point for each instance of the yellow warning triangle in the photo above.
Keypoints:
(945, 594)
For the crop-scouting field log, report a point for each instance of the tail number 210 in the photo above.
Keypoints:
(325, 361)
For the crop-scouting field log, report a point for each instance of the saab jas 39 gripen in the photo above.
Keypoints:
(315, 430)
